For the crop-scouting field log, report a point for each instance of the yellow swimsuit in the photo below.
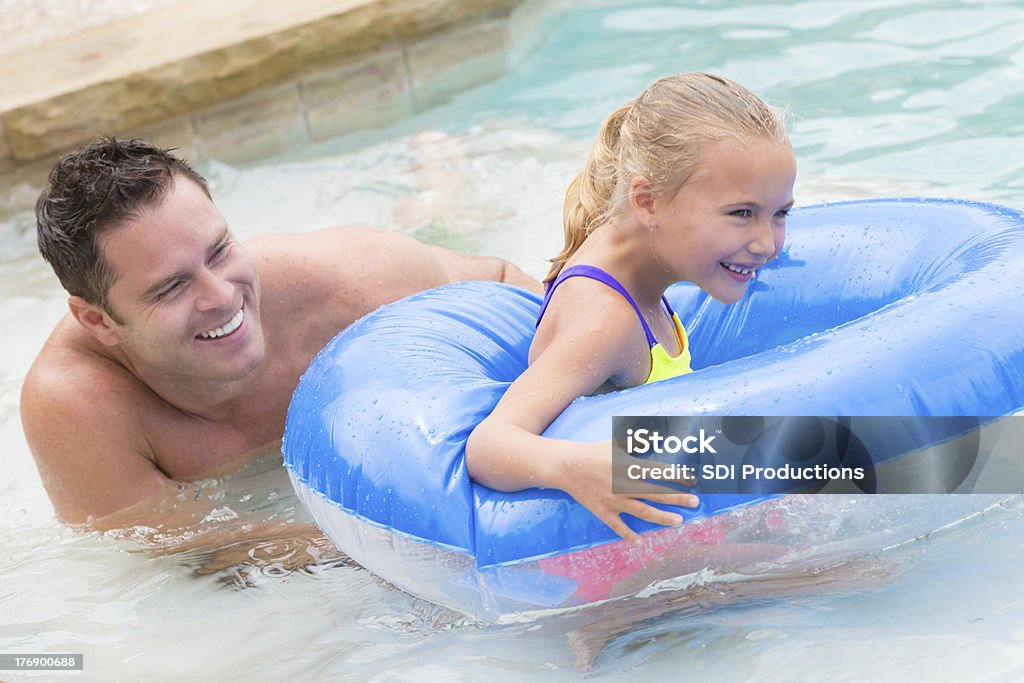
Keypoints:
(663, 366)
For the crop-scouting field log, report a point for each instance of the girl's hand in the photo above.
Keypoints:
(587, 476)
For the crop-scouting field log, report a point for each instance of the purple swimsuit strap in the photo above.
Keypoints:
(595, 273)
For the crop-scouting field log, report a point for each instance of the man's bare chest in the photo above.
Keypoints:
(187, 447)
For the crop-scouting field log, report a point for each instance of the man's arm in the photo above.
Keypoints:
(87, 449)
(459, 267)
(374, 266)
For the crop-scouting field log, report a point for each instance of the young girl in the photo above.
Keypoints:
(690, 181)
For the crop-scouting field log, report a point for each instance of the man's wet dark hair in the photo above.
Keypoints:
(91, 190)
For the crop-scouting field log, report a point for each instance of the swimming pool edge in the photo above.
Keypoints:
(313, 71)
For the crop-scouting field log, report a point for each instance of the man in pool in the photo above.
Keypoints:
(183, 346)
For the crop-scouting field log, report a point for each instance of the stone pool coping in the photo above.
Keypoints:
(239, 80)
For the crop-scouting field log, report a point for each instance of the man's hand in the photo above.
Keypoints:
(212, 529)
(275, 547)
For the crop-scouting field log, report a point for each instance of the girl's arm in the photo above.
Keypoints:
(507, 453)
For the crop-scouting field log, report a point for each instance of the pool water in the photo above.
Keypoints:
(888, 98)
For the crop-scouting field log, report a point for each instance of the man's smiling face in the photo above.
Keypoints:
(186, 293)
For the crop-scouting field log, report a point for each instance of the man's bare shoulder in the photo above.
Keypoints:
(70, 373)
(82, 419)
(73, 393)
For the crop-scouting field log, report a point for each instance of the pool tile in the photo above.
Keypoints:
(177, 133)
(6, 162)
(364, 94)
(257, 125)
(445, 64)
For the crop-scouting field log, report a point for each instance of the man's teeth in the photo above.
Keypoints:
(737, 269)
(230, 327)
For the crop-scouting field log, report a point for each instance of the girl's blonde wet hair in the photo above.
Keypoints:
(659, 136)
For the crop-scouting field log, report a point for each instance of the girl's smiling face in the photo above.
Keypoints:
(729, 219)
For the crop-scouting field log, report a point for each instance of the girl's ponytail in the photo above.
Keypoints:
(589, 197)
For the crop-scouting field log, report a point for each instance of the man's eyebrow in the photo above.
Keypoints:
(153, 291)
(224, 236)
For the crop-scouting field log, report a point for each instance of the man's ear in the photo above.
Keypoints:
(95, 320)
(641, 200)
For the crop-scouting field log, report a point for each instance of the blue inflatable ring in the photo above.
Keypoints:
(880, 307)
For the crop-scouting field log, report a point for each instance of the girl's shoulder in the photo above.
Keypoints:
(594, 321)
